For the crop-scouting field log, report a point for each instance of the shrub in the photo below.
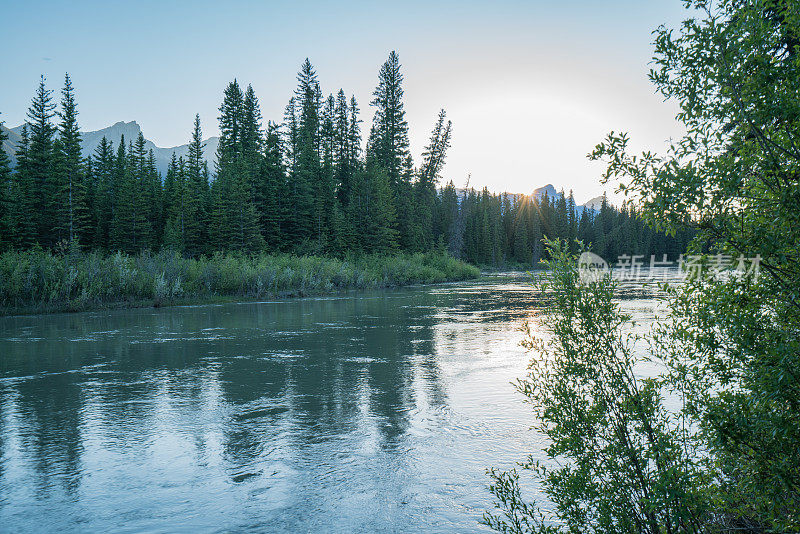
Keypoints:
(41, 280)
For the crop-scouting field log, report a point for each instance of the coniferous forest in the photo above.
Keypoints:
(304, 185)
(589, 396)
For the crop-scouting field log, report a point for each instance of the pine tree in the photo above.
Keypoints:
(341, 148)
(572, 231)
(307, 170)
(230, 126)
(425, 191)
(155, 192)
(5, 194)
(122, 230)
(351, 180)
(194, 193)
(273, 209)
(446, 217)
(289, 133)
(22, 217)
(222, 231)
(234, 222)
(403, 199)
(39, 162)
(105, 193)
(561, 229)
(388, 143)
(70, 207)
(379, 233)
(174, 185)
(144, 197)
(328, 230)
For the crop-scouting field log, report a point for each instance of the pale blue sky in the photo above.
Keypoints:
(530, 86)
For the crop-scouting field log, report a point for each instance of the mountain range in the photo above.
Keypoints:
(91, 140)
(549, 190)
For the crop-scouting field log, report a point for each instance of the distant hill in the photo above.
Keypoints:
(10, 144)
(91, 140)
(593, 205)
(547, 190)
(550, 191)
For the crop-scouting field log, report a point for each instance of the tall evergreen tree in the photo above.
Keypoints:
(105, 194)
(341, 148)
(70, 205)
(234, 222)
(5, 194)
(326, 214)
(388, 143)
(22, 217)
(39, 162)
(273, 209)
(307, 170)
(144, 195)
(121, 228)
(425, 190)
(173, 208)
(194, 194)
(378, 215)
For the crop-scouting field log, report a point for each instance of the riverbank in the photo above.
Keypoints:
(41, 282)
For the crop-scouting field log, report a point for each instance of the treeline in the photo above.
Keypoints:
(488, 229)
(302, 186)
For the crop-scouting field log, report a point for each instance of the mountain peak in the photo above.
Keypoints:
(548, 190)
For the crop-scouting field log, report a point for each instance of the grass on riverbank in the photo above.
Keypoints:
(39, 281)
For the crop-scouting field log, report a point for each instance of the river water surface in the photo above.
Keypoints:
(368, 412)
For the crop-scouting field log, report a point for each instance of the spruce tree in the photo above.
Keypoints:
(234, 222)
(307, 170)
(22, 215)
(39, 163)
(105, 193)
(5, 194)
(448, 214)
(351, 181)
(122, 230)
(273, 209)
(193, 195)
(328, 225)
(388, 143)
(70, 206)
(155, 192)
(425, 190)
(379, 233)
(144, 197)
(341, 148)
(252, 134)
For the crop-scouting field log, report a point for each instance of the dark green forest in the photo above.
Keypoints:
(304, 186)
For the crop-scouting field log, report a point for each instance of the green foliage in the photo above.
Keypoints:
(619, 461)
(37, 164)
(388, 140)
(303, 187)
(69, 198)
(735, 71)
(38, 280)
(728, 459)
(5, 193)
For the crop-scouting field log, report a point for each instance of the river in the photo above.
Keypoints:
(364, 412)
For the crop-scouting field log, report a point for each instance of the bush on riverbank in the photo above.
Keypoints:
(41, 281)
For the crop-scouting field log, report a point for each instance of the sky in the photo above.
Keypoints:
(531, 87)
